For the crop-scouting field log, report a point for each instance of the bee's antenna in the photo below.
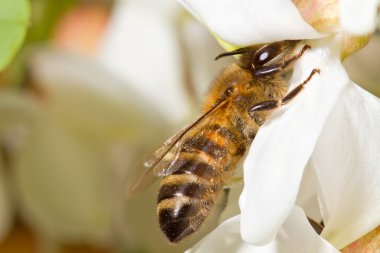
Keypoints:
(235, 52)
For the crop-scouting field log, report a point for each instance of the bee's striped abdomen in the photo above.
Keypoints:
(187, 196)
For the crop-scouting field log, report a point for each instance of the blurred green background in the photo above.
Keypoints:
(95, 87)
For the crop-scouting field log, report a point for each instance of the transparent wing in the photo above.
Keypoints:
(162, 162)
(168, 164)
(163, 156)
(159, 159)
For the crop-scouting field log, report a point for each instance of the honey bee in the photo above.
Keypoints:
(197, 163)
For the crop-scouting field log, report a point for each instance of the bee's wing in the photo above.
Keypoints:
(166, 154)
(163, 159)
(158, 160)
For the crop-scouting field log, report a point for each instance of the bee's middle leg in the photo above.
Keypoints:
(273, 104)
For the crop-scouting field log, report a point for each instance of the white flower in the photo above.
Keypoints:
(72, 148)
(332, 126)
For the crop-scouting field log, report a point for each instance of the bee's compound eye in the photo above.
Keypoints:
(265, 55)
(229, 90)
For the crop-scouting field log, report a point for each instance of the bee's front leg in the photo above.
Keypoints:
(273, 104)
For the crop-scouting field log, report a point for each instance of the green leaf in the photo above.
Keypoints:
(14, 20)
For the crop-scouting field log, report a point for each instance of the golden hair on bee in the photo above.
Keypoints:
(197, 163)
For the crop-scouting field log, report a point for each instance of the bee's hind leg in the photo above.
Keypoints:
(273, 104)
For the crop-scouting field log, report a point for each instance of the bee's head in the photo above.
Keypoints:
(271, 58)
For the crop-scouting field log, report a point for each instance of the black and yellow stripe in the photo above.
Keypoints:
(187, 196)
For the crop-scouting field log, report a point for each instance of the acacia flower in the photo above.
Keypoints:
(331, 127)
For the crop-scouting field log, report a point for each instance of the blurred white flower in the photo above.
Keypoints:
(332, 126)
(83, 133)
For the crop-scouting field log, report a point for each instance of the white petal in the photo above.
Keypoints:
(358, 17)
(281, 149)
(295, 236)
(347, 165)
(141, 48)
(246, 22)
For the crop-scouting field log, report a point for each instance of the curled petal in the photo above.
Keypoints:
(346, 162)
(295, 235)
(274, 166)
(351, 44)
(248, 22)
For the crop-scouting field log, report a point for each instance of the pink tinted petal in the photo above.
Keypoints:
(274, 166)
(347, 165)
(295, 236)
(247, 22)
